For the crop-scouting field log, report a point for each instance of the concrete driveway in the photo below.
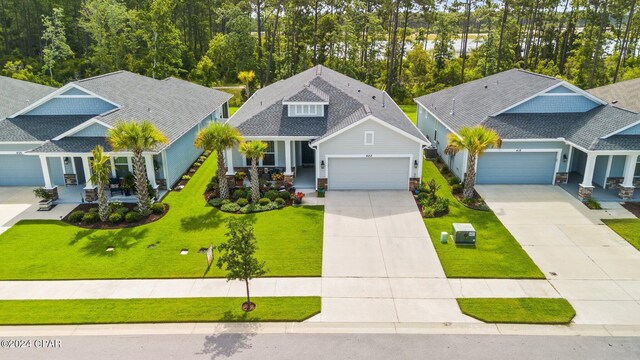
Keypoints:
(587, 263)
(379, 264)
(18, 202)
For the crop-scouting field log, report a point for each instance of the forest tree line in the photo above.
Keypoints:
(407, 47)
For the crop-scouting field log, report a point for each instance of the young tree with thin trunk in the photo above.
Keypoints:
(219, 137)
(100, 172)
(476, 140)
(137, 137)
(56, 47)
(254, 150)
(237, 255)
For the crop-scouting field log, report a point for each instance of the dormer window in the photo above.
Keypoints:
(297, 110)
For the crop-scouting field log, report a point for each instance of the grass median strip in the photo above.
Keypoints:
(497, 254)
(518, 310)
(289, 241)
(125, 311)
(629, 229)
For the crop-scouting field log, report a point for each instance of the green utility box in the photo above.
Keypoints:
(463, 234)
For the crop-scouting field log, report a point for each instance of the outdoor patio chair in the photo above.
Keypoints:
(114, 186)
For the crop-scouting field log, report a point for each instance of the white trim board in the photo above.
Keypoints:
(81, 127)
(375, 119)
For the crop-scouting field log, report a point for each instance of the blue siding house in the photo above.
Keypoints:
(552, 131)
(48, 143)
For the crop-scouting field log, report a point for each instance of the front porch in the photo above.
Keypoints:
(600, 194)
(75, 194)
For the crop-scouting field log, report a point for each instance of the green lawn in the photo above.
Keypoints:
(289, 240)
(519, 310)
(411, 111)
(496, 254)
(629, 229)
(233, 109)
(117, 311)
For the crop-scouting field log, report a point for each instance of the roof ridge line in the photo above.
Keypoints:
(103, 75)
(537, 74)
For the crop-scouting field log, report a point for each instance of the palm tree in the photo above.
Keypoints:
(219, 137)
(137, 137)
(475, 140)
(254, 150)
(100, 171)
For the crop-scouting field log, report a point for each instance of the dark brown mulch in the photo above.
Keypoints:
(476, 203)
(107, 225)
(248, 307)
(633, 207)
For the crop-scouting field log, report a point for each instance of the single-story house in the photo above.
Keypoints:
(552, 131)
(327, 130)
(46, 134)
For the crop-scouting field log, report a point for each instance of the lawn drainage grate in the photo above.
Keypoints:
(184, 251)
(152, 246)
(110, 249)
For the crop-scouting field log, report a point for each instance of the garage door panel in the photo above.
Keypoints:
(20, 170)
(368, 173)
(516, 168)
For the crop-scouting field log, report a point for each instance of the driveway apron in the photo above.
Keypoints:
(587, 263)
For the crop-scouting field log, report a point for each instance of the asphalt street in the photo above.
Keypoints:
(325, 346)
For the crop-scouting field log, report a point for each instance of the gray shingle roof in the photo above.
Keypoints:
(583, 129)
(175, 106)
(349, 101)
(16, 95)
(625, 94)
(477, 99)
(38, 128)
(72, 145)
(308, 93)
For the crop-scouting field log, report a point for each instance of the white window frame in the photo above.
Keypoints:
(305, 109)
(366, 139)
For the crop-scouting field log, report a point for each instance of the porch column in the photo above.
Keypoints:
(287, 157)
(87, 172)
(229, 158)
(626, 188)
(112, 161)
(585, 190)
(151, 173)
(45, 172)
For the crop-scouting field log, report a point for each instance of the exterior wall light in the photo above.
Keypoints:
(321, 164)
(415, 164)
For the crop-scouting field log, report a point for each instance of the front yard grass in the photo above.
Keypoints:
(629, 229)
(496, 254)
(289, 241)
(518, 310)
(121, 311)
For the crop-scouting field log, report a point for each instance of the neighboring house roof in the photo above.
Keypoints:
(17, 94)
(349, 101)
(625, 94)
(174, 106)
(478, 99)
(72, 145)
(583, 129)
(38, 128)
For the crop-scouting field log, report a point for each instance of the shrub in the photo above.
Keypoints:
(132, 216)
(445, 171)
(186, 177)
(212, 186)
(284, 195)
(157, 208)
(122, 210)
(217, 202)
(93, 210)
(441, 206)
(230, 207)
(115, 218)
(453, 180)
(428, 212)
(423, 196)
(279, 201)
(271, 195)
(76, 216)
(225, 202)
(264, 201)
(241, 193)
(206, 153)
(593, 204)
(242, 202)
(456, 189)
(202, 158)
(430, 188)
(90, 218)
(115, 205)
(277, 177)
(197, 164)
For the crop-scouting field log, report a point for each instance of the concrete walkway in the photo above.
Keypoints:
(18, 203)
(584, 260)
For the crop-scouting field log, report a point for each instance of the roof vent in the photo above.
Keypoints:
(486, 86)
(358, 90)
(373, 97)
(614, 102)
(307, 84)
(453, 107)
(319, 70)
(367, 109)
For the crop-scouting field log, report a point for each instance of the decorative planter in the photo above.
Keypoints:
(45, 205)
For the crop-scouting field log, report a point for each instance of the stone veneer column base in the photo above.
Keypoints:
(231, 180)
(585, 192)
(562, 178)
(53, 192)
(626, 193)
(414, 183)
(90, 194)
(288, 180)
(322, 183)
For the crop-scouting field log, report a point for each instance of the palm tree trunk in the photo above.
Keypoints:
(470, 178)
(255, 183)
(103, 204)
(223, 184)
(140, 175)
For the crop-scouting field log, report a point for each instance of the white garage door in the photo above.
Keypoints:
(368, 173)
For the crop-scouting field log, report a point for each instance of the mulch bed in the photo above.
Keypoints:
(476, 204)
(633, 207)
(107, 225)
